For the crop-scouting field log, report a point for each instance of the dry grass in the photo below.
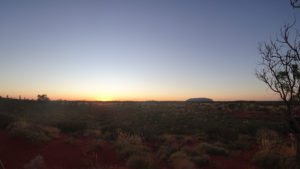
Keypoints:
(35, 133)
(268, 139)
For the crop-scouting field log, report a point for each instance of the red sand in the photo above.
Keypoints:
(57, 154)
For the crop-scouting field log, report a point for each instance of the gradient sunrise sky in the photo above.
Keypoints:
(137, 50)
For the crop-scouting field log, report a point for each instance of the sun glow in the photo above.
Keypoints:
(104, 98)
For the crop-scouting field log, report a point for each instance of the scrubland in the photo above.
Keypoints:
(144, 135)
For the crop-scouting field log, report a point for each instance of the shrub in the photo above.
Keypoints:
(70, 127)
(127, 150)
(128, 145)
(52, 132)
(188, 139)
(5, 120)
(36, 163)
(97, 143)
(183, 164)
(165, 151)
(126, 138)
(267, 138)
(140, 162)
(197, 157)
(288, 163)
(267, 159)
(35, 133)
(201, 160)
(243, 142)
(71, 140)
(178, 155)
(94, 133)
(211, 149)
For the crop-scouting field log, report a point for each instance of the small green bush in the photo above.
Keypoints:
(140, 162)
(211, 149)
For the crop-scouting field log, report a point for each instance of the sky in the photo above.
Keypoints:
(137, 49)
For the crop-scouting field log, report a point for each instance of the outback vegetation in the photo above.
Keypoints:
(135, 135)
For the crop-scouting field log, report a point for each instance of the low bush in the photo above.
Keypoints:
(198, 158)
(97, 144)
(268, 139)
(201, 160)
(183, 164)
(72, 141)
(94, 133)
(140, 162)
(165, 151)
(243, 142)
(267, 159)
(127, 150)
(126, 138)
(5, 120)
(35, 133)
(71, 127)
(128, 145)
(288, 162)
(178, 155)
(211, 149)
(36, 163)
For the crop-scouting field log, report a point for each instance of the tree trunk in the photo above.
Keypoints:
(297, 151)
(295, 127)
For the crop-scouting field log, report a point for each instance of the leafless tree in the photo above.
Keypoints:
(295, 3)
(280, 70)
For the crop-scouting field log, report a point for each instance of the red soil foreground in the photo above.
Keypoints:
(57, 154)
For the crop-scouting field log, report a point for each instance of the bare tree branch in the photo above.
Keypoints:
(295, 3)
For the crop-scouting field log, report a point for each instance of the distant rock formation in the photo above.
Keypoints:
(202, 99)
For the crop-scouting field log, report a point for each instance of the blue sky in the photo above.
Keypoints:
(137, 50)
